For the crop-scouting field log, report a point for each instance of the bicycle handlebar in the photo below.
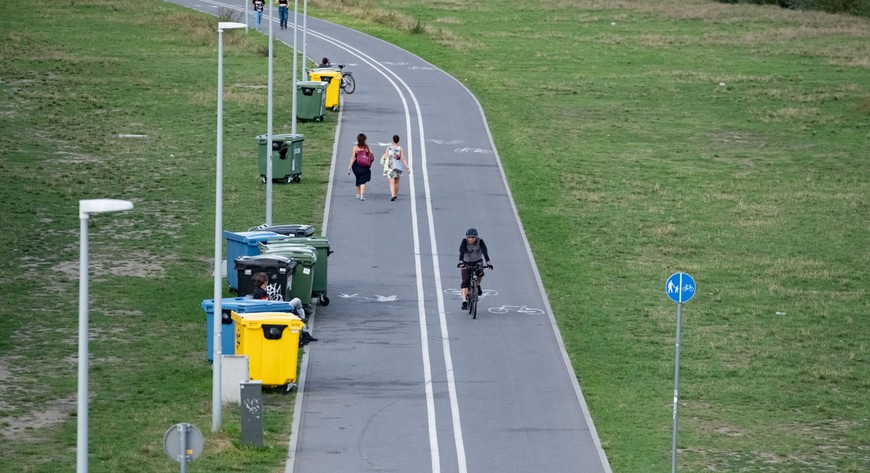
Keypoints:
(474, 266)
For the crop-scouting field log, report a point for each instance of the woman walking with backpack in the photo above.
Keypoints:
(361, 163)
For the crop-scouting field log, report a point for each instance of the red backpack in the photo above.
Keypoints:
(364, 157)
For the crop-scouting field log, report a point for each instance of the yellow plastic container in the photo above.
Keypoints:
(331, 76)
(270, 340)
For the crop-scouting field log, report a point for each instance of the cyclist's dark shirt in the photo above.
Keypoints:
(464, 248)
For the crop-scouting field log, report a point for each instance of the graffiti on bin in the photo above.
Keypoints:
(377, 298)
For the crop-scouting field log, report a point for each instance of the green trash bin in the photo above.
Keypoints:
(286, 157)
(311, 100)
(303, 274)
(321, 245)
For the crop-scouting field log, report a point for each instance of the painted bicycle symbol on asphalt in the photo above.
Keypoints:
(522, 309)
(473, 150)
(458, 292)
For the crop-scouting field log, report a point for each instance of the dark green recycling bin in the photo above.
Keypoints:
(303, 274)
(286, 156)
(321, 245)
(311, 100)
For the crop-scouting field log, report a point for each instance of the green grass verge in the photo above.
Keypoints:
(73, 78)
(728, 141)
(645, 138)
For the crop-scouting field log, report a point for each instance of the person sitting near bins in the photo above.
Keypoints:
(325, 63)
(263, 292)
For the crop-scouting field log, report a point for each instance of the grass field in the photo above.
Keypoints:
(73, 78)
(640, 139)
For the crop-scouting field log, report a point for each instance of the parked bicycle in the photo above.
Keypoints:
(476, 270)
(348, 84)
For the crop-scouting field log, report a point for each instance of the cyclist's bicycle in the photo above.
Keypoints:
(348, 84)
(476, 271)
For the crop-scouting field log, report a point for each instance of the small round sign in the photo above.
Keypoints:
(193, 442)
(680, 287)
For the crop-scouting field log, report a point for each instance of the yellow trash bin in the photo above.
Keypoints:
(331, 76)
(270, 340)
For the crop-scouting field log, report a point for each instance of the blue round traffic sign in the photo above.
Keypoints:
(680, 287)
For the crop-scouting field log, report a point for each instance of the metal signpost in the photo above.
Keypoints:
(680, 288)
(183, 443)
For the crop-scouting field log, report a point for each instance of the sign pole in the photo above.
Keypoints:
(676, 391)
(680, 287)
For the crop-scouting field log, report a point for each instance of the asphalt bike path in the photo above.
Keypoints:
(401, 379)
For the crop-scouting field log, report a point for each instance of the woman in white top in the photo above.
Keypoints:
(395, 165)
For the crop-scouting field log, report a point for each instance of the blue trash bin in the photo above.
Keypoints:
(241, 305)
(244, 244)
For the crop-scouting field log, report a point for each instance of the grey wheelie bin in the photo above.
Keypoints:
(278, 268)
(286, 157)
(290, 230)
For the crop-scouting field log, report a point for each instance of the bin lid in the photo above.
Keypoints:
(311, 84)
(294, 230)
(245, 305)
(328, 72)
(314, 242)
(273, 261)
(254, 320)
(252, 238)
(285, 137)
(301, 253)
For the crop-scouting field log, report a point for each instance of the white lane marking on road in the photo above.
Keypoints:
(430, 404)
(424, 333)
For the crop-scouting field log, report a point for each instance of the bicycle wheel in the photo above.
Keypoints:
(472, 301)
(348, 85)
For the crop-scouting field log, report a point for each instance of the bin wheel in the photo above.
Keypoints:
(262, 179)
(288, 179)
(287, 388)
(296, 178)
(324, 301)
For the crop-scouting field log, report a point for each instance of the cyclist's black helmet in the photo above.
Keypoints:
(471, 232)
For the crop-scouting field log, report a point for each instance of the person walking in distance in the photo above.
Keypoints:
(472, 251)
(283, 12)
(360, 164)
(395, 165)
(258, 11)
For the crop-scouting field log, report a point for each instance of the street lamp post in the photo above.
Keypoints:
(218, 224)
(269, 153)
(86, 208)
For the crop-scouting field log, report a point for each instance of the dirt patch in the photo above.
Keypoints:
(26, 425)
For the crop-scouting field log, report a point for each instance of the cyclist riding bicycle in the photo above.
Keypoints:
(472, 252)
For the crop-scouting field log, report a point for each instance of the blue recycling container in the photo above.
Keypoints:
(244, 244)
(241, 305)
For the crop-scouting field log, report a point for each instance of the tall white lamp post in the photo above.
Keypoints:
(269, 127)
(86, 208)
(218, 224)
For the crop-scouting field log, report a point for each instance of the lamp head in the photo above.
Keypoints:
(229, 25)
(95, 206)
